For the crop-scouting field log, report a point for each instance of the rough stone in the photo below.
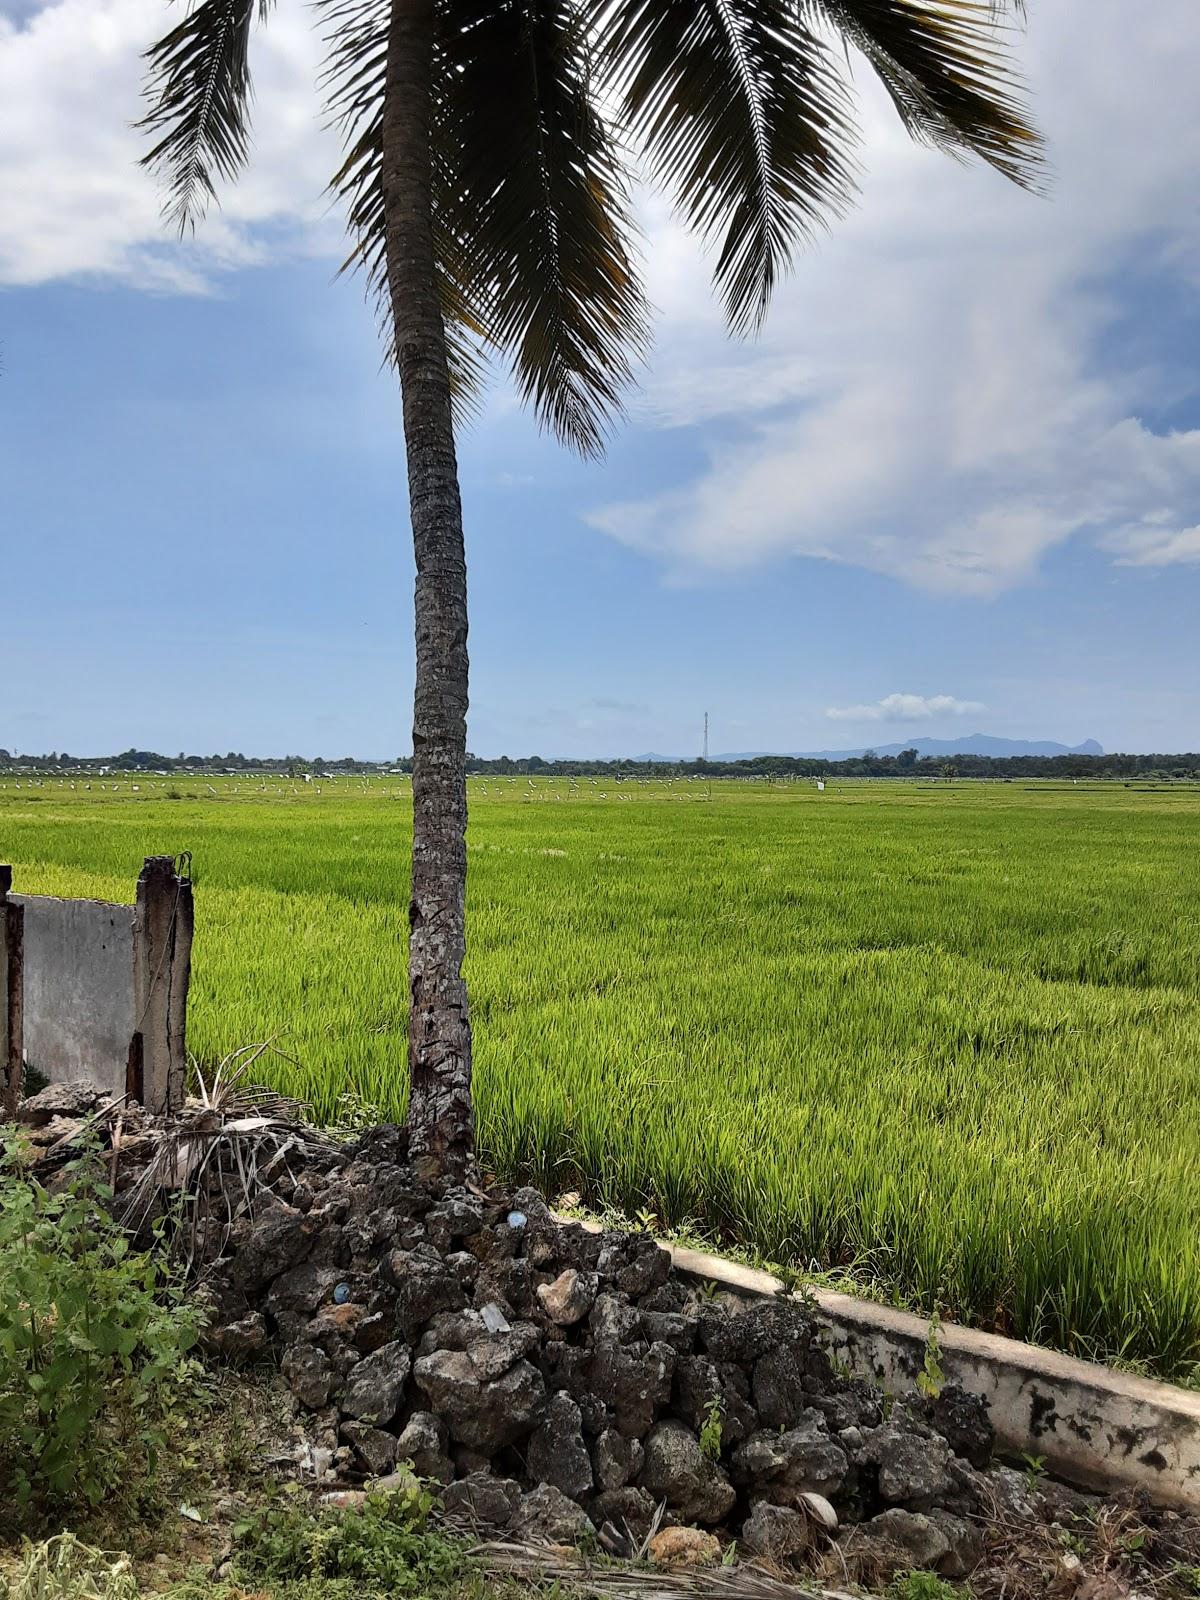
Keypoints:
(546, 1516)
(557, 1454)
(962, 1420)
(896, 1541)
(300, 1291)
(375, 1448)
(245, 1336)
(965, 1544)
(778, 1388)
(775, 1533)
(669, 1327)
(482, 1499)
(786, 1465)
(614, 1321)
(423, 1441)
(678, 1471)
(569, 1298)
(483, 1416)
(634, 1382)
(424, 1286)
(913, 1470)
(375, 1386)
(629, 1509)
(684, 1547)
(616, 1460)
(309, 1374)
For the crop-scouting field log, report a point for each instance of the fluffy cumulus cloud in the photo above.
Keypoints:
(942, 393)
(75, 202)
(906, 708)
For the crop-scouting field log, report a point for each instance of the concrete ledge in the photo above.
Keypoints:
(1092, 1426)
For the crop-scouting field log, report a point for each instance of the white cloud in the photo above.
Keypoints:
(937, 396)
(75, 202)
(906, 708)
(1157, 547)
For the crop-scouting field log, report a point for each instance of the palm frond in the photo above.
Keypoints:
(353, 84)
(533, 204)
(946, 68)
(743, 115)
(198, 86)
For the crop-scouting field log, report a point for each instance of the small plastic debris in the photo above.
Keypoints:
(341, 1294)
(494, 1319)
(517, 1219)
(190, 1513)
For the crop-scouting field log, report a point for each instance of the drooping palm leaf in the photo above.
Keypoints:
(199, 88)
(532, 199)
(944, 64)
(743, 115)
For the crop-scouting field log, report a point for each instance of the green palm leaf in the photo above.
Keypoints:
(199, 88)
(533, 200)
(945, 67)
(743, 115)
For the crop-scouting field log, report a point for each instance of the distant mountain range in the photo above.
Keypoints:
(970, 744)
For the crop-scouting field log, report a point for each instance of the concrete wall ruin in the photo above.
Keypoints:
(95, 990)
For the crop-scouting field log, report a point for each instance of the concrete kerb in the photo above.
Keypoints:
(1088, 1424)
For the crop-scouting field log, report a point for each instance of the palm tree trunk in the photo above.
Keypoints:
(441, 1140)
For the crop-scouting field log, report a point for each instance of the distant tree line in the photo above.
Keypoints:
(908, 764)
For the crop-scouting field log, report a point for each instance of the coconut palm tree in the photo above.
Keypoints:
(487, 180)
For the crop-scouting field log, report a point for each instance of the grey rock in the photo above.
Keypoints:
(557, 1454)
(75, 1100)
(484, 1416)
(965, 1542)
(301, 1290)
(778, 1388)
(423, 1441)
(747, 1335)
(424, 1286)
(785, 1465)
(375, 1448)
(616, 1460)
(913, 1470)
(492, 1354)
(630, 1510)
(962, 1420)
(614, 1321)
(669, 1327)
(775, 1533)
(699, 1381)
(482, 1499)
(634, 1382)
(275, 1241)
(309, 1374)
(546, 1516)
(375, 1386)
(677, 1470)
(570, 1297)
(896, 1541)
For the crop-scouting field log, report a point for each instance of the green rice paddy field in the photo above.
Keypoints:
(945, 1036)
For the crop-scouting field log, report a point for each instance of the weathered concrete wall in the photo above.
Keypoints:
(93, 990)
(78, 989)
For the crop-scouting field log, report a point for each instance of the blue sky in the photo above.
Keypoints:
(955, 486)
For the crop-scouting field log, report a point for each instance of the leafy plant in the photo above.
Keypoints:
(712, 1430)
(931, 1378)
(1035, 1467)
(93, 1340)
(921, 1586)
(381, 1547)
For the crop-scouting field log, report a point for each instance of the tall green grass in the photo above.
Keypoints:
(945, 1034)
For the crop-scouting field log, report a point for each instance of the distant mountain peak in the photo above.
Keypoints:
(969, 744)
